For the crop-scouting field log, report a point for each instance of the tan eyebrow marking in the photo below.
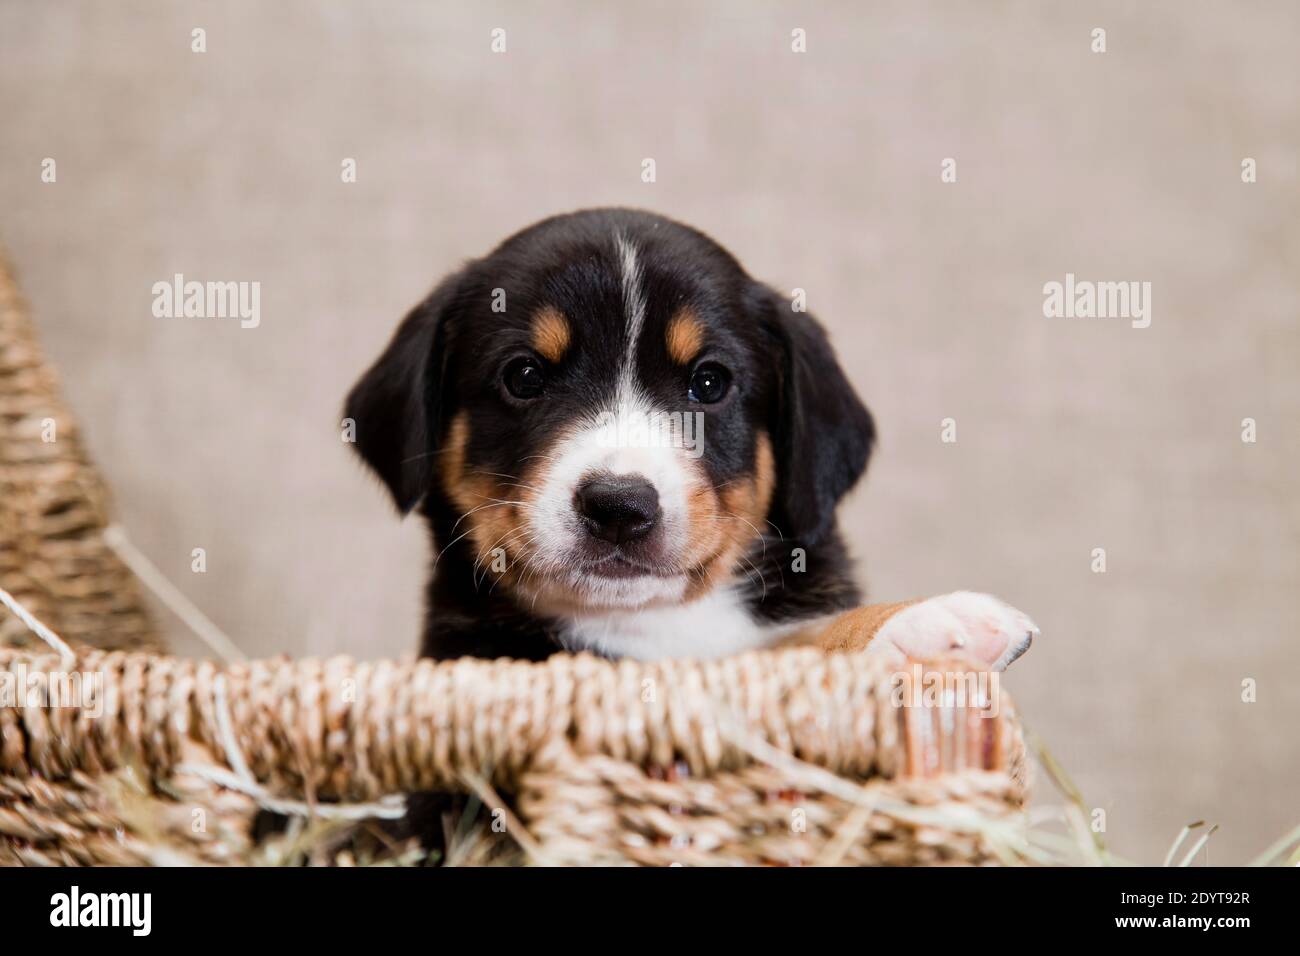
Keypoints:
(685, 337)
(550, 333)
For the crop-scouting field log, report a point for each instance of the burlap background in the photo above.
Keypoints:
(820, 171)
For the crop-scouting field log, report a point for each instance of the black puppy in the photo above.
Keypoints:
(623, 443)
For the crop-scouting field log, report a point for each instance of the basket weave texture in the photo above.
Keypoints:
(54, 506)
(121, 756)
(789, 757)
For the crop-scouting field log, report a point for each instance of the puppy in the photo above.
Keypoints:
(624, 444)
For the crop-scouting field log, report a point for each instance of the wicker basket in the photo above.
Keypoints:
(53, 506)
(110, 756)
(790, 757)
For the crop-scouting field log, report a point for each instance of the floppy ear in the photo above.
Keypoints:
(395, 405)
(822, 433)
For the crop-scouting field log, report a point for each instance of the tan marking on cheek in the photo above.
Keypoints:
(684, 337)
(551, 334)
(707, 523)
(453, 455)
(467, 492)
(494, 509)
(717, 544)
(765, 481)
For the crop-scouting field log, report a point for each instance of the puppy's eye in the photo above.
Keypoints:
(709, 383)
(524, 378)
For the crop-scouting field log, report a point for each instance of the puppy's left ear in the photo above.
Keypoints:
(822, 432)
(396, 405)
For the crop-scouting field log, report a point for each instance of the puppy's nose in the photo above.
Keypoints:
(617, 508)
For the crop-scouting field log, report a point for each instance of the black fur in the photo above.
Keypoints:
(447, 356)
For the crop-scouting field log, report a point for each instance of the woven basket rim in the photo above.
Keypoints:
(364, 729)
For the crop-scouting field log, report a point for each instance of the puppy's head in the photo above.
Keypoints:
(607, 412)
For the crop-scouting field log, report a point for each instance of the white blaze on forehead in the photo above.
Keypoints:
(634, 310)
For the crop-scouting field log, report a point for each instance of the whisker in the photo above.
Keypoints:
(501, 542)
(523, 548)
(491, 503)
(762, 580)
(497, 474)
(762, 538)
(424, 454)
(471, 511)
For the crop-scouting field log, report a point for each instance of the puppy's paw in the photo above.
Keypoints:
(989, 632)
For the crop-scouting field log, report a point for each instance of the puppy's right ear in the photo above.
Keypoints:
(823, 433)
(395, 407)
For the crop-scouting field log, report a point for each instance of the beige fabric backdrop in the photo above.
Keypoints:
(820, 171)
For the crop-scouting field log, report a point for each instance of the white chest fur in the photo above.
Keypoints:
(715, 625)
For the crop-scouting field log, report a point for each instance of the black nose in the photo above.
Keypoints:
(617, 509)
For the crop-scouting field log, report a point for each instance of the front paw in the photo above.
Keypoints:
(989, 632)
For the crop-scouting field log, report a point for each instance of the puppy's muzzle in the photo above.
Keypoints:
(618, 509)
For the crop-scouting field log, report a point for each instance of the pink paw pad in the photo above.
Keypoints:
(979, 626)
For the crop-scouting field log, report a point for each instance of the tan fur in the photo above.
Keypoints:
(850, 630)
(684, 337)
(726, 525)
(853, 630)
(551, 334)
(493, 508)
